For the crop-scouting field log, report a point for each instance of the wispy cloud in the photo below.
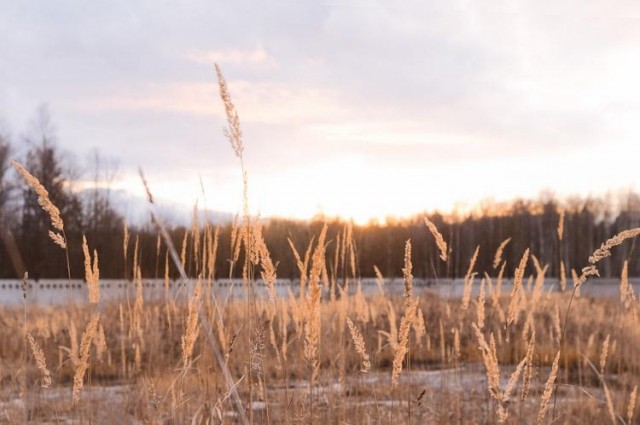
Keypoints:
(256, 56)
(259, 102)
(184, 98)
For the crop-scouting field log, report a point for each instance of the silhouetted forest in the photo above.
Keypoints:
(529, 223)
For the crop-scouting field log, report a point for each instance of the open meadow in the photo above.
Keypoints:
(515, 348)
(322, 355)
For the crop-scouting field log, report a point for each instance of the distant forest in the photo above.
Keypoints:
(530, 224)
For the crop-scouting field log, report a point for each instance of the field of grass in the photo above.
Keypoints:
(327, 354)
(138, 371)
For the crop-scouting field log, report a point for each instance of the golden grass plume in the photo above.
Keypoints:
(358, 341)
(91, 272)
(268, 272)
(402, 345)
(191, 326)
(631, 407)
(406, 273)
(605, 249)
(514, 302)
(85, 347)
(528, 373)
(45, 202)
(468, 280)
(233, 132)
(312, 308)
(548, 390)
(440, 242)
(41, 362)
(480, 307)
(497, 258)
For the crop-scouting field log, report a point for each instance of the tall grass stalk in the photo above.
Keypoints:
(213, 343)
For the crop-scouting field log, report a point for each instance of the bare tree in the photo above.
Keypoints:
(43, 161)
(12, 259)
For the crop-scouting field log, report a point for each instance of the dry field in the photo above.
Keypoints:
(323, 357)
(327, 354)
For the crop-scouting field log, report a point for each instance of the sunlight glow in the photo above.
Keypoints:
(352, 188)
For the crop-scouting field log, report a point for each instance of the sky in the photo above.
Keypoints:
(363, 109)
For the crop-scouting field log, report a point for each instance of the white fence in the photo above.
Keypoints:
(64, 291)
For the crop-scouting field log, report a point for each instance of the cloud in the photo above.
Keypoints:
(258, 102)
(410, 85)
(199, 99)
(256, 56)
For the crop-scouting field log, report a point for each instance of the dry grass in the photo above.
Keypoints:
(91, 272)
(41, 362)
(203, 359)
(605, 250)
(43, 200)
(632, 404)
(514, 303)
(548, 390)
(440, 242)
(83, 356)
(185, 388)
(358, 342)
(497, 258)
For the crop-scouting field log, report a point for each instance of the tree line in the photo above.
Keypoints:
(588, 221)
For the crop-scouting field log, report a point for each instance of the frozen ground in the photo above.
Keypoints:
(361, 394)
